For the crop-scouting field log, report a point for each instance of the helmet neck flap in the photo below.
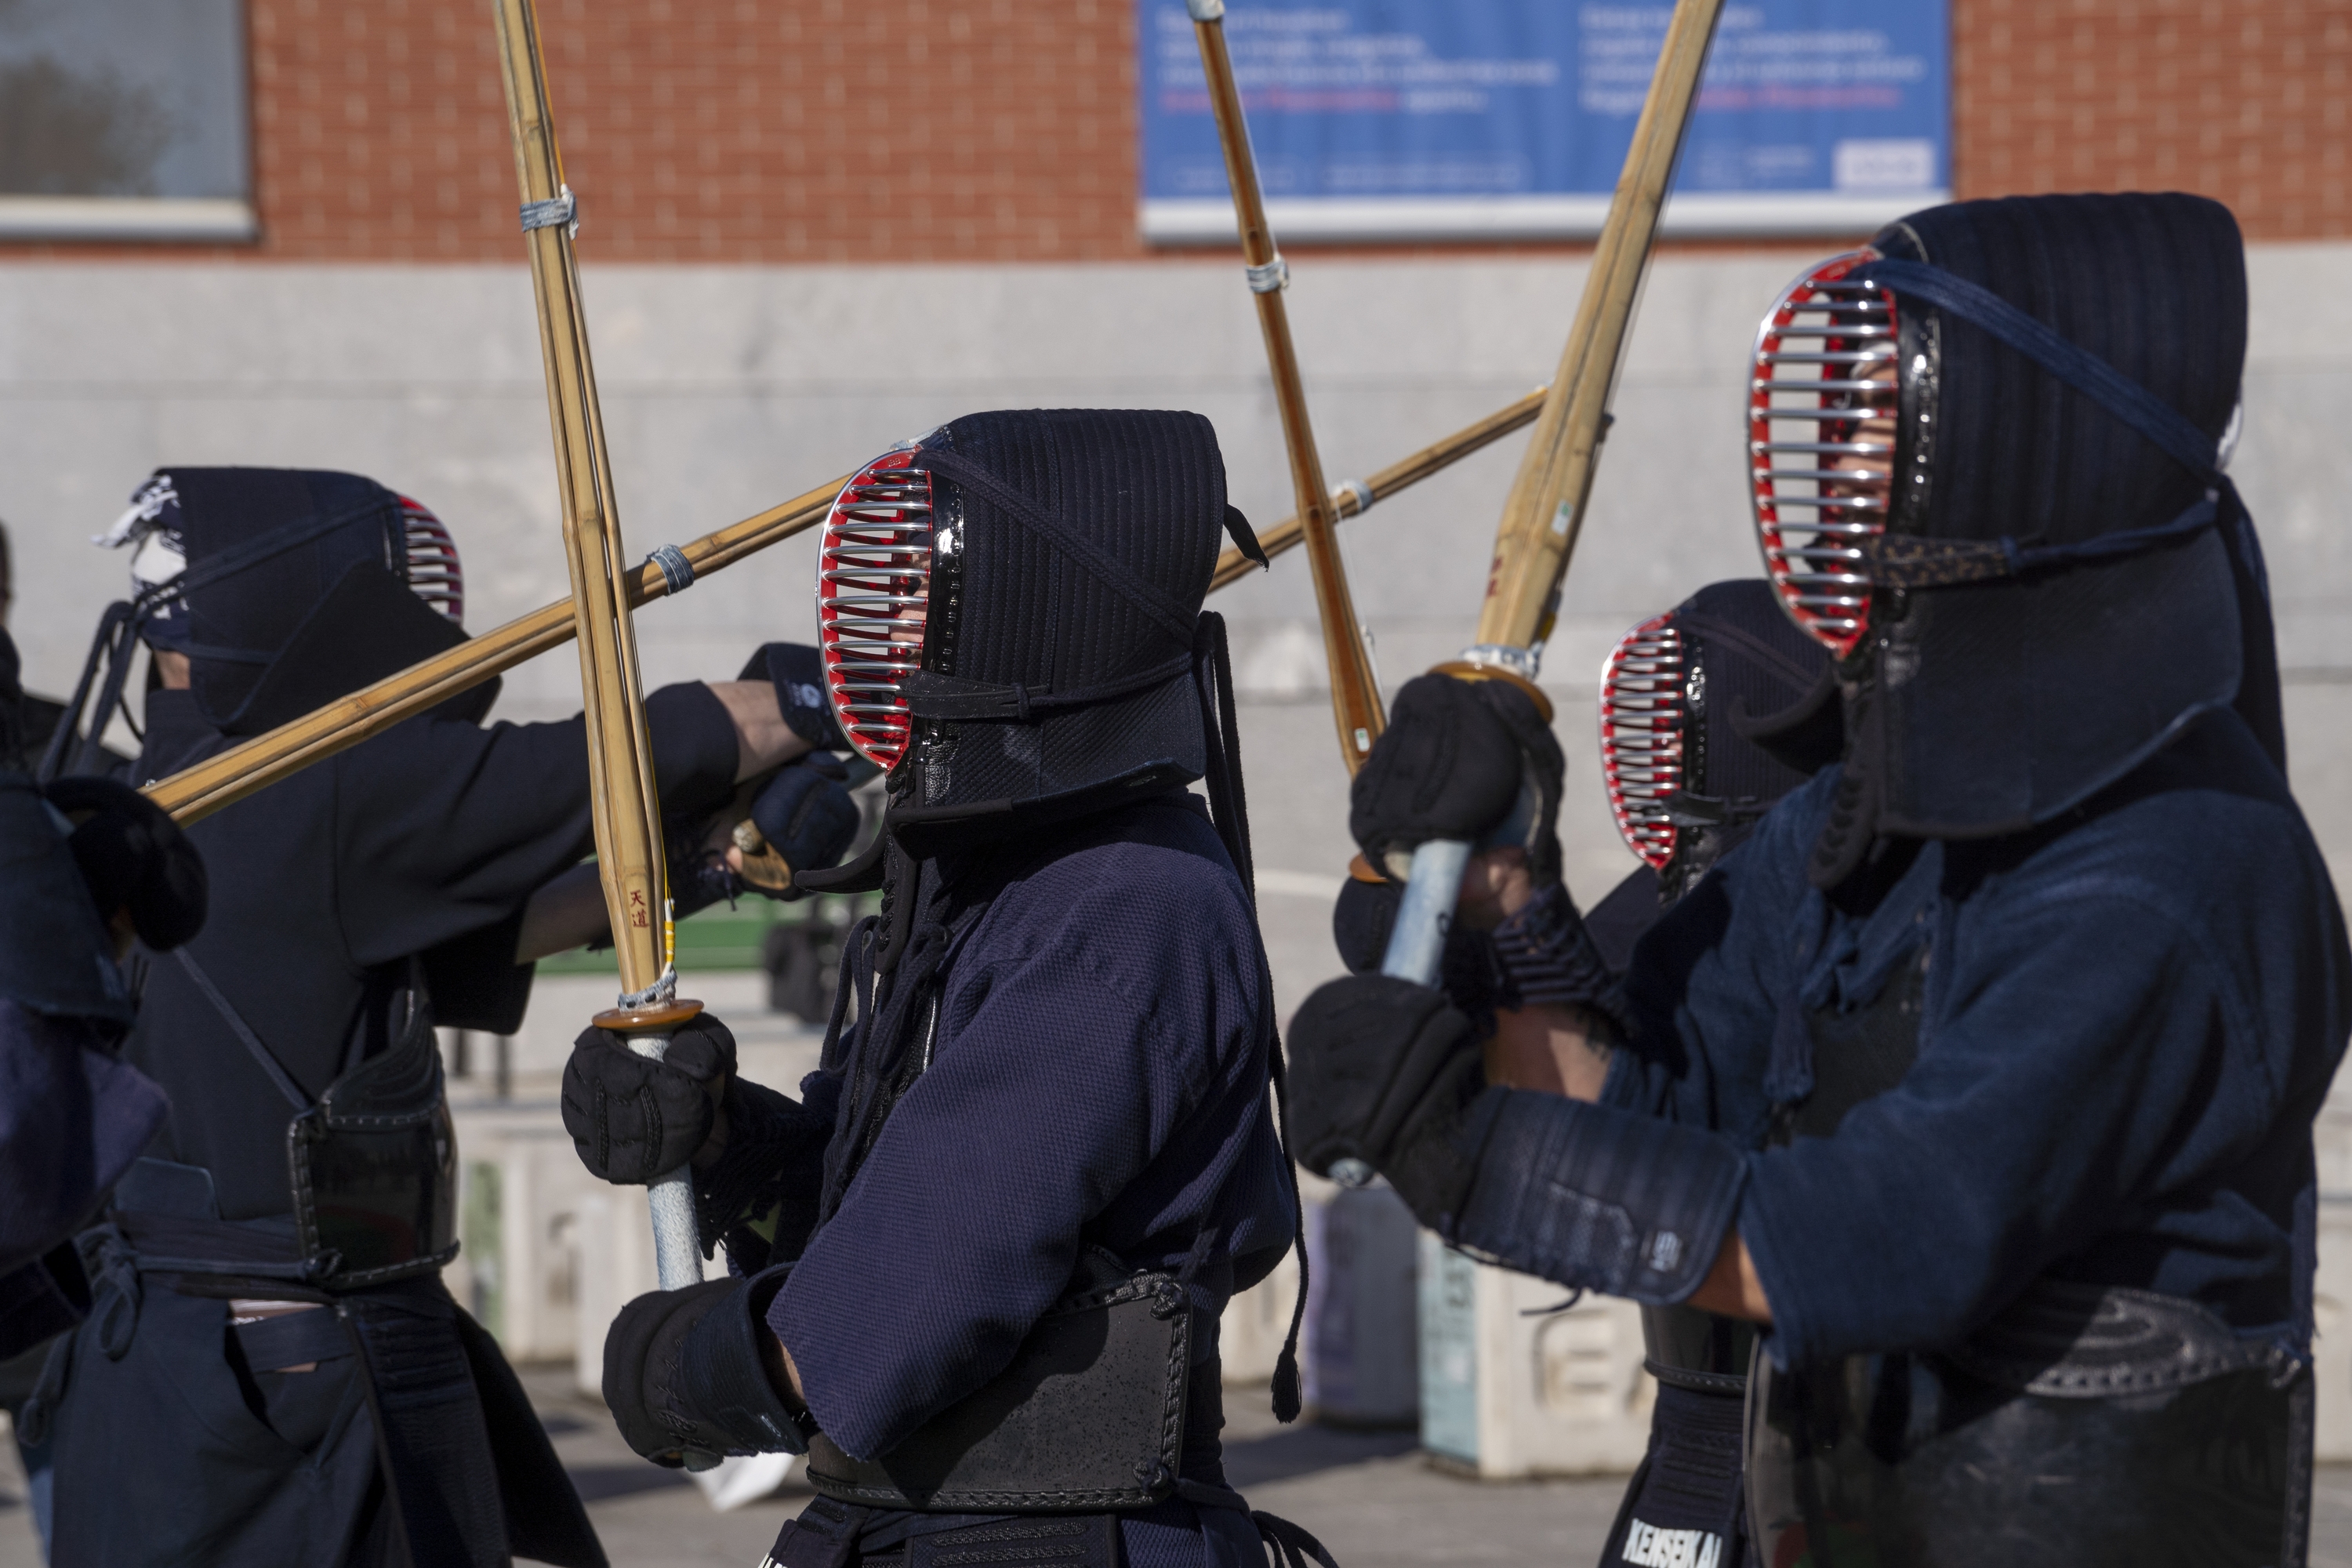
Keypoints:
(1709, 715)
(2039, 574)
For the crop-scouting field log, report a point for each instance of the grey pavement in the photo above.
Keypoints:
(1370, 1497)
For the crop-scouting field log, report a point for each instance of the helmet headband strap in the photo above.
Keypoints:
(1894, 560)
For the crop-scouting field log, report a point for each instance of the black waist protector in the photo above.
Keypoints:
(1088, 1416)
(372, 1162)
(2081, 1427)
(374, 1168)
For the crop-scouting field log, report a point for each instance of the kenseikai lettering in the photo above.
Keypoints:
(1647, 1546)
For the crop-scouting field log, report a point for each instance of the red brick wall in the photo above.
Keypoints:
(746, 131)
(2246, 101)
(779, 131)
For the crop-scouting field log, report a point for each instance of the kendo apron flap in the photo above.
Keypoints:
(374, 1168)
(1088, 1415)
(372, 1162)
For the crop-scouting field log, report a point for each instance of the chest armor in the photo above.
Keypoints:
(2082, 1427)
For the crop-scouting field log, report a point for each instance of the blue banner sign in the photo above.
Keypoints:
(1384, 119)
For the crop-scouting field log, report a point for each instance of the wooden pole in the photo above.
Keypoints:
(1357, 496)
(625, 805)
(195, 793)
(1355, 688)
(244, 769)
(1546, 509)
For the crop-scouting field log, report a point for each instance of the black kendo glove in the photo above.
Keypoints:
(1385, 1071)
(804, 820)
(685, 1371)
(635, 1119)
(134, 857)
(1453, 764)
(797, 672)
(1593, 1198)
(759, 1197)
(1470, 973)
(802, 817)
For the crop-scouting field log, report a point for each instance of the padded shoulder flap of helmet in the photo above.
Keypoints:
(367, 626)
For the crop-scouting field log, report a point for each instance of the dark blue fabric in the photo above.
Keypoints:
(71, 1121)
(1100, 1077)
(55, 957)
(2127, 399)
(72, 1118)
(2131, 1017)
(324, 885)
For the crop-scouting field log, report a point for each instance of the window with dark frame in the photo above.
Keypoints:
(124, 120)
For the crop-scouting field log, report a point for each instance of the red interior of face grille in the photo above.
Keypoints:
(434, 573)
(1824, 361)
(1641, 735)
(874, 574)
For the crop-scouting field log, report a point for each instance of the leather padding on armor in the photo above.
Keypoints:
(2063, 1339)
(1088, 1415)
(374, 1168)
(1597, 1198)
(2114, 1426)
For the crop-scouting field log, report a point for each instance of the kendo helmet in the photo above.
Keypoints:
(1985, 472)
(285, 589)
(1009, 615)
(1709, 714)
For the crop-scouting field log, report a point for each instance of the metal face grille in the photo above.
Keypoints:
(1820, 440)
(434, 574)
(872, 592)
(1643, 717)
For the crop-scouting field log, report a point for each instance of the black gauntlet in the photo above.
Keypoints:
(634, 1118)
(1387, 1072)
(1384, 1071)
(759, 1197)
(685, 1372)
(1453, 764)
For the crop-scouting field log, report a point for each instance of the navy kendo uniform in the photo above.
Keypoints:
(85, 864)
(1998, 1045)
(74, 857)
(1710, 713)
(272, 1352)
(1046, 1145)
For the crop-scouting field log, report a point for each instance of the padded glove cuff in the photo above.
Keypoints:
(684, 1373)
(1596, 1198)
(1547, 956)
(722, 1388)
(771, 1170)
(797, 672)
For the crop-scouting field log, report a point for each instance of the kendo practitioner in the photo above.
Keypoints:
(1982, 1076)
(1709, 715)
(84, 867)
(979, 1265)
(271, 1350)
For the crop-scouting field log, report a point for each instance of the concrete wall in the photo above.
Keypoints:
(729, 388)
